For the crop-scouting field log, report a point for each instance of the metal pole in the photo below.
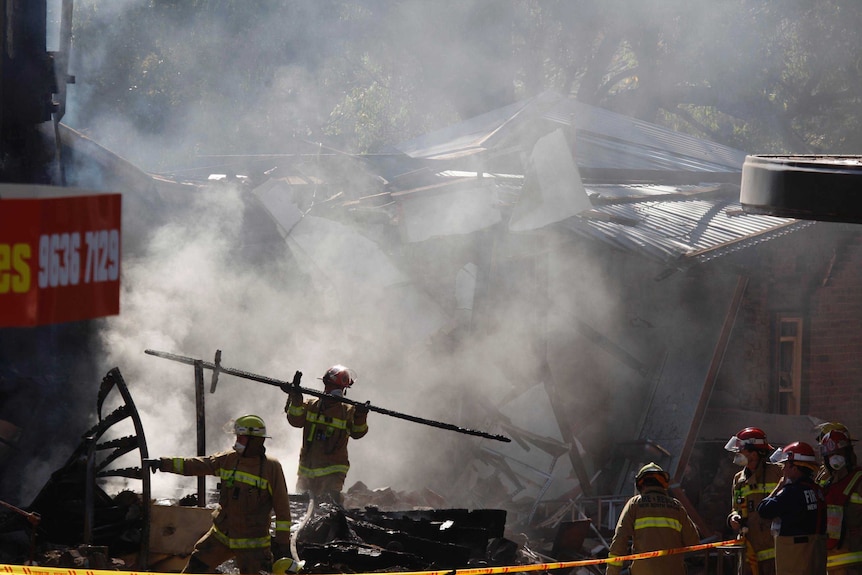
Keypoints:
(200, 415)
(89, 490)
(287, 386)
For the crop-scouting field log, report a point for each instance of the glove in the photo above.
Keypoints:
(153, 465)
(363, 409)
(293, 386)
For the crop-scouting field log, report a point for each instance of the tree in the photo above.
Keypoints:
(225, 76)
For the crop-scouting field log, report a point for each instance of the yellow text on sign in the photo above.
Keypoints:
(14, 268)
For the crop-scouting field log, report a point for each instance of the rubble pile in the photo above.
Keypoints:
(370, 539)
(375, 530)
(81, 557)
(75, 523)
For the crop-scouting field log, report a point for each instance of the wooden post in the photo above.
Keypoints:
(200, 414)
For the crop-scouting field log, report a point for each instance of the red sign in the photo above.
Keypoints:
(59, 259)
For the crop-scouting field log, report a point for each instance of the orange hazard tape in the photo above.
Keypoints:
(37, 570)
(568, 564)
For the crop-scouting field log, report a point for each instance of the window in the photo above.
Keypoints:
(789, 364)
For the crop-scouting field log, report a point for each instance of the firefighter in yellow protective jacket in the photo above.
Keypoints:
(755, 481)
(842, 487)
(650, 521)
(327, 425)
(251, 488)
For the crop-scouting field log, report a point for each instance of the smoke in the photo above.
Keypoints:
(326, 291)
(195, 288)
(189, 292)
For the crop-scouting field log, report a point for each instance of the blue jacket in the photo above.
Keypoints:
(798, 508)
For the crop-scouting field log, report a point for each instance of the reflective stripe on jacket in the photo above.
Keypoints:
(651, 521)
(748, 488)
(250, 490)
(844, 522)
(840, 559)
(241, 543)
(327, 427)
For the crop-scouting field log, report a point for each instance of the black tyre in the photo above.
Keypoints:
(827, 188)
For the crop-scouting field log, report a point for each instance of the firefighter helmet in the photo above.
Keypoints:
(286, 565)
(834, 440)
(749, 438)
(797, 453)
(652, 471)
(250, 425)
(338, 376)
(827, 426)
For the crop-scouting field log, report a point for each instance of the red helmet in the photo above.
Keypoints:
(827, 426)
(751, 438)
(832, 441)
(337, 376)
(797, 453)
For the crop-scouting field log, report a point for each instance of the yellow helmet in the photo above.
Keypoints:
(652, 470)
(827, 426)
(250, 425)
(286, 565)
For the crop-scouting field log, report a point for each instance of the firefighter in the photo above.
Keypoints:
(822, 429)
(753, 482)
(652, 520)
(251, 487)
(798, 512)
(843, 491)
(327, 425)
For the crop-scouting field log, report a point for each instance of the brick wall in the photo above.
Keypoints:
(817, 274)
(833, 374)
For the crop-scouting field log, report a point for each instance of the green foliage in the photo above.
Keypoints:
(231, 76)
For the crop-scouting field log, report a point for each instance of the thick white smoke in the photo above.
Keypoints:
(191, 291)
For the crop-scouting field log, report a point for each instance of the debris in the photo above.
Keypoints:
(82, 526)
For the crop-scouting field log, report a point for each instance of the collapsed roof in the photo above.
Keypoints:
(555, 167)
(546, 171)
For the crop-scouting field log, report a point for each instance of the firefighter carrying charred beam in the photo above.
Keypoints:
(251, 488)
(751, 484)
(327, 425)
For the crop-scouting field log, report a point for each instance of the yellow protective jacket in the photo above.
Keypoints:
(651, 521)
(327, 426)
(250, 490)
(748, 488)
(843, 493)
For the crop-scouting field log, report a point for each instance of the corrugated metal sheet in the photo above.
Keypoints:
(677, 225)
(466, 138)
(603, 139)
(679, 232)
(606, 139)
